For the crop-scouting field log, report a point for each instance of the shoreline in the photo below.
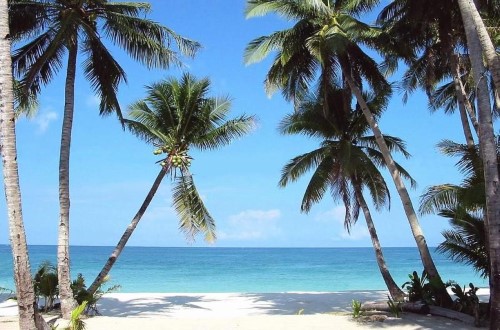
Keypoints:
(285, 310)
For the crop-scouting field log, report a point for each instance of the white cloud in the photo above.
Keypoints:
(335, 215)
(252, 225)
(358, 232)
(93, 101)
(43, 120)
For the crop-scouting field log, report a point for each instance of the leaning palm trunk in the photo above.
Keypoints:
(489, 156)
(417, 232)
(128, 232)
(470, 13)
(396, 293)
(28, 313)
(68, 303)
(462, 102)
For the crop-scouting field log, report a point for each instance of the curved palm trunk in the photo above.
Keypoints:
(128, 232)
(489, 156)
(28, 313)
(396, 293)
(68, 303)
(470, 13)
(417, 232)
(462, 101)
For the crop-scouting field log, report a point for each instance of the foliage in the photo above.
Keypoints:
(422, 289)
(45, 283)
(176, 115)
(356, 308)
(47, 30)
(467, 301)
(76, 322)
(394, 307)
(81, 294)
(465, 242)
(463, 205)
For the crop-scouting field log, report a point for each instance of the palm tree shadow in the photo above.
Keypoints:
(160, 306)
(310, 302)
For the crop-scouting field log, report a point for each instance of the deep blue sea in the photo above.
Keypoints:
(197, 270)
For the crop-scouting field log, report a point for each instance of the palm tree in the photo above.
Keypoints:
(52, 28)
(432, 49)
(488, 149)
(470, 13)
(346, 163)
(28, 313)
(466, 241)
(464, 206)
(434, 36)
(177, 115)
(325, 42)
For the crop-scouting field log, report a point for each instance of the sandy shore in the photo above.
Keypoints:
(291, 310)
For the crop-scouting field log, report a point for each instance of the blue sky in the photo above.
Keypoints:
(112, 171)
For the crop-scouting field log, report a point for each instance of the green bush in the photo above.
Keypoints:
(356, 308)
(81, 294)
(45, 284)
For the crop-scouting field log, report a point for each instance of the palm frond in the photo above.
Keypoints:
(299, 165)
(438, 197)
(145, 40)
(104, 74)
(194, 216)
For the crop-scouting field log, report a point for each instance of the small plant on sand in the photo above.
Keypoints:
(467, 301)
(356, 308)
(45, 283)
(82, 295)
(394, 307)
(300, 312)
(76, 323)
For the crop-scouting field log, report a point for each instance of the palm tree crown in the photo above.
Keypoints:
(325, 38)
(53, 27)
(346, 157)
(178, 115)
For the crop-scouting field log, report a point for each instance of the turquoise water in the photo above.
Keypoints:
(196, 270)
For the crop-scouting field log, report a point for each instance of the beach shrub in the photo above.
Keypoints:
(76, 322)
(81, 294)
(467, 301)
(424, 289)
(394, 307)
(356, 308)
(45, 284)
(419, 288)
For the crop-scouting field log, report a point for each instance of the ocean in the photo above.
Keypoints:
(262, 270)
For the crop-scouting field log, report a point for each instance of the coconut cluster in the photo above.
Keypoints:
(178, 159)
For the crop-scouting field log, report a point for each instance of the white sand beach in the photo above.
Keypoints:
(290, 310)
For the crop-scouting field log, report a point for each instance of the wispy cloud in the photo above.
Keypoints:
(358, 232)
(335, 217)
(44, 119)
(252, 225)
(92, 101)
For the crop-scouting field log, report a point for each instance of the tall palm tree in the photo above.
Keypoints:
(346, 163)
(470, 13)
(325, 42)
(464, 205)
(466, 241)
(178, 115)
(436, 40)
(488, 149)
(434, 33)
(52, 28)
(28, 312)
